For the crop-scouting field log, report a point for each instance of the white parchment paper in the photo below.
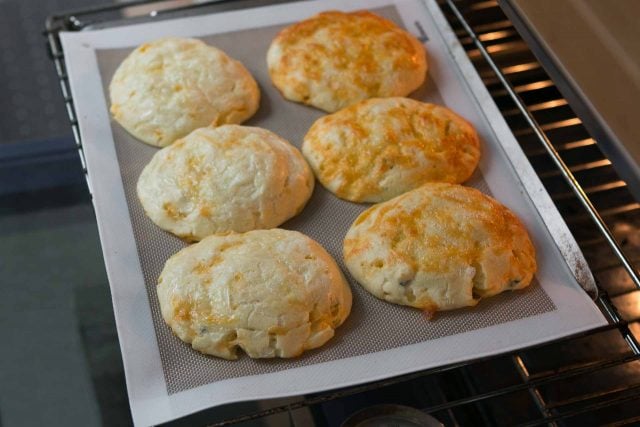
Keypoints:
(165, 378)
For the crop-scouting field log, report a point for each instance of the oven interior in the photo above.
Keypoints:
(590, 379)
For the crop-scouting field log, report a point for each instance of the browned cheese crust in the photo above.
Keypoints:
(334, 59)
(380, 148)
(439, 247)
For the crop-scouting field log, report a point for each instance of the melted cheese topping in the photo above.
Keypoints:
(380, 148)
(166, 88)
(335, 59)
(439, 247)
(273, 293)
(229, 178)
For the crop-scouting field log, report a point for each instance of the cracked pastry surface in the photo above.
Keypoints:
(334, 59)
(272, 293)
(222, 179)
(380, 148)
(168, 87)
(439, 247)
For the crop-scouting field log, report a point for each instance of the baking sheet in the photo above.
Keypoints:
(165, 378)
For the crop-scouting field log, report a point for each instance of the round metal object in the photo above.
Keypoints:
(391, 416)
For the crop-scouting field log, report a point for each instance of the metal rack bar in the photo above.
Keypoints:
(104, 8)
(534, 383)
(583, 410)
(56, 54)
(533, 390)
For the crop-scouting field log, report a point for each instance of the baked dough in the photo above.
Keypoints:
(380, 148)
(166, 88)
(226, 178)
(439, 247)
(273, 293)
(334, 59)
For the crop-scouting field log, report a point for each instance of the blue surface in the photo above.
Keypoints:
(37, 165)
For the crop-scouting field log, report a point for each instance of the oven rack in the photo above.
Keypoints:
(589, 378)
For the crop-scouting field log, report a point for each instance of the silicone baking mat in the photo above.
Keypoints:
(375, 329)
